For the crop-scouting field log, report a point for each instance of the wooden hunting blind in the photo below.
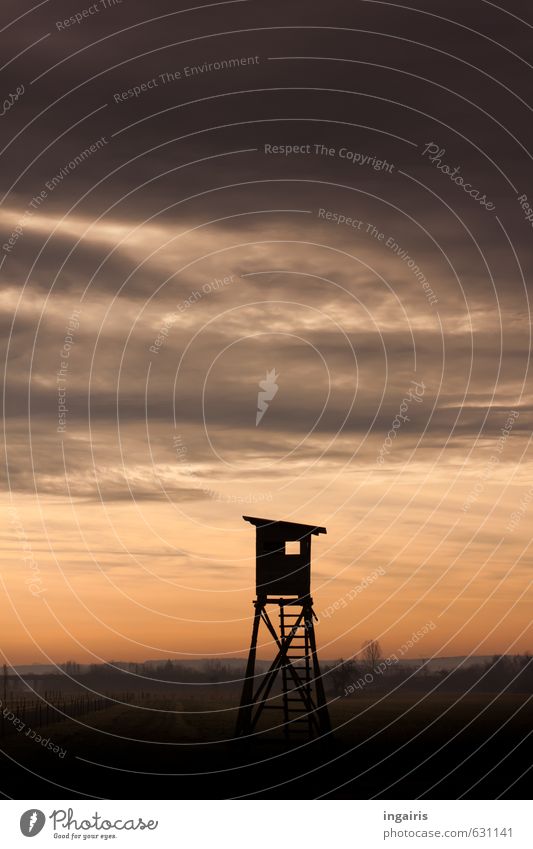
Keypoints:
(283, 578)
(283, 557)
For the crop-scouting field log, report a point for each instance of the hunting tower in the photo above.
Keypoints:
(283, 579)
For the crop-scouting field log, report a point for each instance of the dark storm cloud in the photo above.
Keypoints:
(287, 30)
(138, 176)
(308, 367)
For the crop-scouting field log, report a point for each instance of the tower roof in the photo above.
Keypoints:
(286, 526)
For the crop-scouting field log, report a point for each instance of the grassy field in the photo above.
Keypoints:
(388, 747)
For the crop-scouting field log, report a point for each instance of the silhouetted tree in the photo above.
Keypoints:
(371, 654)
(342, 674)
(216, 671)
(167, 670)
(524, 682)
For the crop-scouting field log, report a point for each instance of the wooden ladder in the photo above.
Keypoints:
(296, 692)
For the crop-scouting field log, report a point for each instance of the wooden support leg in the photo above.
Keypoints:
(244, 718)
(322, 708)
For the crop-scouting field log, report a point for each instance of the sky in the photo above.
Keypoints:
(329, 198)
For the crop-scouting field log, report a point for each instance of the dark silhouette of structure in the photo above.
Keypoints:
(283, 578)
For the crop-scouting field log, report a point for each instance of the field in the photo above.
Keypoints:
(410, 746)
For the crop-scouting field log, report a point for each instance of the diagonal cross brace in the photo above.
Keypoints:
(275, 667)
